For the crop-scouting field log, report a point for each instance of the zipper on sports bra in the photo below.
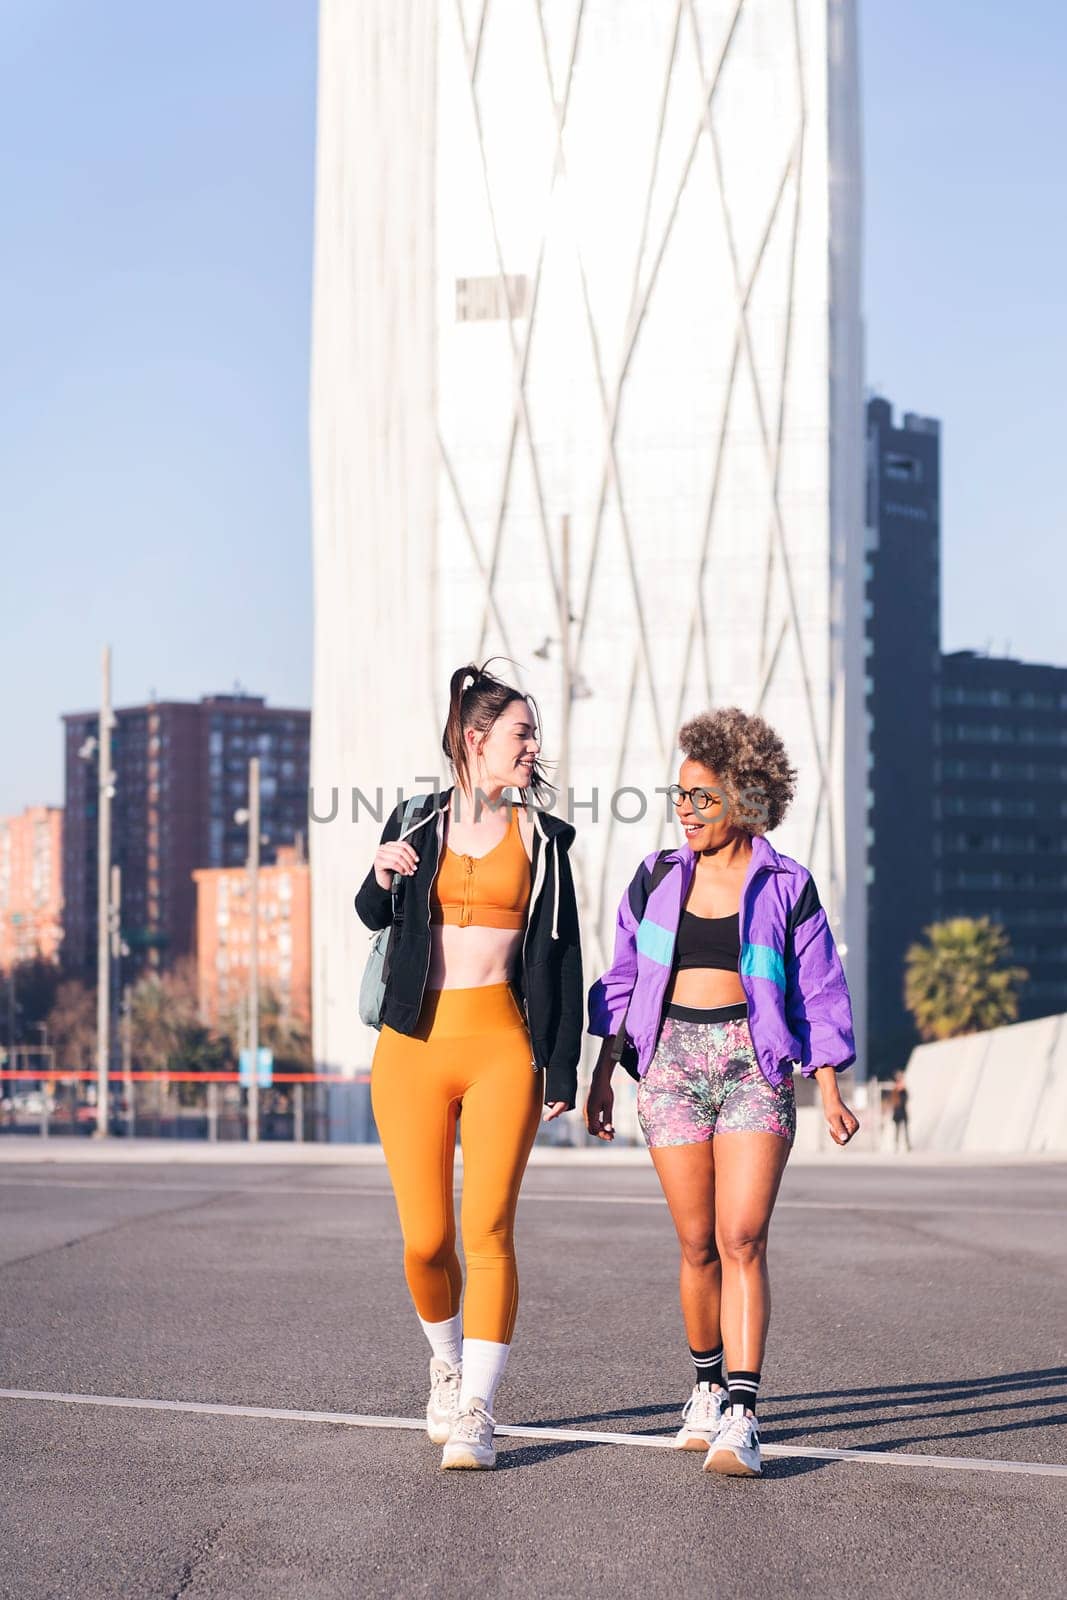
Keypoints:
(466, 915)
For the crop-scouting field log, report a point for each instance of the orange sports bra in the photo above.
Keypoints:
(490, 891)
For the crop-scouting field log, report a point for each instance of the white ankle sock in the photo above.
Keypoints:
(483, 1368)
(446, 1338)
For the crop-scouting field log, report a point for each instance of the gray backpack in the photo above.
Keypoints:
(372, 988)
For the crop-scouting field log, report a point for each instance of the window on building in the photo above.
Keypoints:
(905, 469)
(1043, 990)
(1036, 700)
(491, 298)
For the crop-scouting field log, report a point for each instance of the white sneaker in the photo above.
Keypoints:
(735, 1449)
(470, 1444)
(701, 1416)
(442, 1408)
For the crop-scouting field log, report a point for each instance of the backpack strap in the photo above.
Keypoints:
(659, 872)
(411, 805)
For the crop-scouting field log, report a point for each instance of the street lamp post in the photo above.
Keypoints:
(251, 816)
(106, 790)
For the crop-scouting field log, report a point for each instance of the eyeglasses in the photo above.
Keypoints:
(703, 799)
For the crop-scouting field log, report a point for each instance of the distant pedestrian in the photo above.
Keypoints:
(898, 1106)
(725, 974)
(482, 1022)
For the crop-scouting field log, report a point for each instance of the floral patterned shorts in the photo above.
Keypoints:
(704, 1079)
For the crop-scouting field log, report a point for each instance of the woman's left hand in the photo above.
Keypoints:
(841, 1123)
(554, 1109)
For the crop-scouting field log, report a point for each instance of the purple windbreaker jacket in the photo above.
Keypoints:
(799, 1008)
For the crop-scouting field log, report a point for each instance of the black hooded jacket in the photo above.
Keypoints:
(548, 980)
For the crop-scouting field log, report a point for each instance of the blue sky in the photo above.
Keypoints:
(157, 168)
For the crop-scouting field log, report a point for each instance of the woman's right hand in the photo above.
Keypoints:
(396, 856)
(600, 1105)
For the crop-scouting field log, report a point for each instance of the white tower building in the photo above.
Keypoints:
(586, 393)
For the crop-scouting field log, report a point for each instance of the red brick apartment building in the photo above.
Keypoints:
(223, 937)
(31, 879)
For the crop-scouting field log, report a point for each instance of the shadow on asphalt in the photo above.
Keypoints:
(778, 1468)
(950, 1388)
(950, 1401)
(983, 1402)
(529, 1455)
(532, 1455)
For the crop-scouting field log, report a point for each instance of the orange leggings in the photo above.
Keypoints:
(470, 1053)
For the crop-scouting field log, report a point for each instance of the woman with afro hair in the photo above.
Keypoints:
(725, 976)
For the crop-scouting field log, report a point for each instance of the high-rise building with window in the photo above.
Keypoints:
(903, 629)
(586, 394)
(181, 773)
(1002, 802)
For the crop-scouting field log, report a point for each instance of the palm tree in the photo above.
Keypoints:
(956, 984)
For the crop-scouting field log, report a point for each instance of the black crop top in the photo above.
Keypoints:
(708, 942)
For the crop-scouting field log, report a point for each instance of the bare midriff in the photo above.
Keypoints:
(469, 958)
(705, 987)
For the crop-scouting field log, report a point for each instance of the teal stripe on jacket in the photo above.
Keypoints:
(762, 961)
(655, 942)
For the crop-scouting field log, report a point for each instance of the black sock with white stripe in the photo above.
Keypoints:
(744, 1389)
(708, 1365)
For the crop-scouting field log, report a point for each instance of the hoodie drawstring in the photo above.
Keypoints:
(555, 893)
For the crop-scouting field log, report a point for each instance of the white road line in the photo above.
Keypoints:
(383, 1191)
(348, 1419)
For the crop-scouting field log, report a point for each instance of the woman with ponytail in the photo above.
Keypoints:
(482, 1023)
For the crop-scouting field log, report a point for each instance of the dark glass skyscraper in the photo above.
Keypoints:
(1002, 797)
(903, 641)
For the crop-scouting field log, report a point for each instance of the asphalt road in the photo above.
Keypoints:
(917, 1312)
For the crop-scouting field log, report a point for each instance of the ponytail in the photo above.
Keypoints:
(476, 699)
(453, 743)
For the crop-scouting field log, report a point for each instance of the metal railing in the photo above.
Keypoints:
(214, 1106)
(315, 1108)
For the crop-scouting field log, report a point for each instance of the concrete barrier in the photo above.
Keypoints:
(1001, 1092)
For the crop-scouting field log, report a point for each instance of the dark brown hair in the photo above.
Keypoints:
(749, 760)
(477, 699)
